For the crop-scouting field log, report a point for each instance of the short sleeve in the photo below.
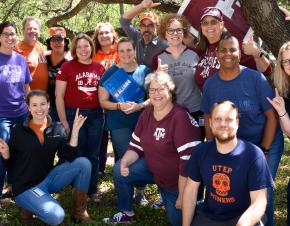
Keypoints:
(192, 168)
(259, 175)
(186, 136)
(62, 74)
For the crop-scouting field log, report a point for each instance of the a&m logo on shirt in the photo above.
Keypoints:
(159, 133)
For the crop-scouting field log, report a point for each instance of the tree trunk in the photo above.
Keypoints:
(268, 22)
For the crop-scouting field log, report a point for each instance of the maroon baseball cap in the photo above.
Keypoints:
(211, 11)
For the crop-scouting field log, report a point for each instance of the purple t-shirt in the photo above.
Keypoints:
(228, 178)
(166, 144)
(14, 74)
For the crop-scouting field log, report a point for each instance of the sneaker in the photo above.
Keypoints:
(119, 218)
(157, 204)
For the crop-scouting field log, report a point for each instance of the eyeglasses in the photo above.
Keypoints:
(56, 39)
(150, 26)
(7, 35)
(158, 90)
(172, 31)
(285, 62)
(209, 22)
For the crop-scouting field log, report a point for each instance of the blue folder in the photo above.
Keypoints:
(123, 87)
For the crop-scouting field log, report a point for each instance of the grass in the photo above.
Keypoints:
(146, 216)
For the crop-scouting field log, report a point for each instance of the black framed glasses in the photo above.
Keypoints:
(172, 31)
(7, 35)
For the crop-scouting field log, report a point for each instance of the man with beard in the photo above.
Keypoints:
(234, 172)
(33, 52)
(146, 40)
(248, 89)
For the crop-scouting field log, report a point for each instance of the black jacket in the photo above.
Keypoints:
(30, 161)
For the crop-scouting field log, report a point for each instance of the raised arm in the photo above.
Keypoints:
(256, 210)
(279, 104)
(145, 4)
(78, 123)
(286, 13)
(251, 48)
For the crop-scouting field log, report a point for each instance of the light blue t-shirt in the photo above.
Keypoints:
(248, 91)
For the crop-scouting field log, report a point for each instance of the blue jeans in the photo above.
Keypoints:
(140, 174)
(38, 199)
(89, 141)
(273, 160)
(121, 139)
(5, 125)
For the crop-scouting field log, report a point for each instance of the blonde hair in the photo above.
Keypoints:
(97, 30)
(30, 18)
(163, 79)
(281, 79)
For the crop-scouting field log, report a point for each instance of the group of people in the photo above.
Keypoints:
(205, 119)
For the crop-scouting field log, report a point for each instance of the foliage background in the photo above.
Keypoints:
(85, 21)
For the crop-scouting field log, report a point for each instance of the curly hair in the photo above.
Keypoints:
(97, 30)
(280, 78)
(168, 19)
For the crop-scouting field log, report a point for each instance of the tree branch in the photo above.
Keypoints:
(10, 10)
(54, 20)
(60, 10)
(166, 6)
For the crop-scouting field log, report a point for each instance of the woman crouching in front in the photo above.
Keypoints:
(31, 152)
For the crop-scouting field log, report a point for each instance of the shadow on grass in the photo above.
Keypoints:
(145, 216)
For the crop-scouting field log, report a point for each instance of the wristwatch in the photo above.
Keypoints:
(266, 151)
